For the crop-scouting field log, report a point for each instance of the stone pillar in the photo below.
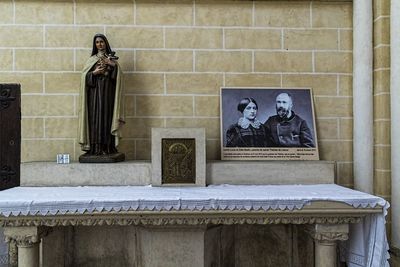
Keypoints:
(12, 253)
(27, 240)
(325, 237)
(362, 96)
(395, 118)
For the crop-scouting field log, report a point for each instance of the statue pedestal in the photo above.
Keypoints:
(111, 158)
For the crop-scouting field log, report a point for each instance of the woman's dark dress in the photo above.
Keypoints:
(236, 136)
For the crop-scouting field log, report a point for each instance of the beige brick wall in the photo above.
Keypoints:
(382, 173)
(176, 55)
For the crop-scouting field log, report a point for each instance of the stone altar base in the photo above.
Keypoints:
(112, 158)
(183, 246)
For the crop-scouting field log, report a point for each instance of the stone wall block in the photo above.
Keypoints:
(228, 13)
(21, 36)
(104, 12)
(223, 61)
(252, 242)
(130, 105)
(253, 80)
(164, 60)
(382, 132)
(345, 176)
(332, 15)
(30, 82)
(382, 157)
(61, 127)
(135, 37)
(333, 106)
(6, 62)
(62, 82)
(346, 128)
(213, 149)
(346, 39)
(381, 81)
(346, 85)
(382, 31)
(382, 106)
(334, 62)
(207, 106)
(47, 105)
(105, 246)
(336, 150)
(80, 57)
(283, 61)
(140, 127)
(196, 38)
(6, 12)
(164, 105)
(32, 128)
(381, 8)
(282, 14)
(126, 59)
(327, 129)
(325, 85)
(35, 12)
(382, 182)
(171, 248)
(54, 248)
(43, 60)
(143, 149)
(311, 39)
(210, 124)
(143, 83)
(71, 36)
(382, 57)
(45, 150)
(252, 39)
(197, 83)
(128, 147)
(159, 12)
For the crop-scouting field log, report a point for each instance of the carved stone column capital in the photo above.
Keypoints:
(329, 232)
(25, 236)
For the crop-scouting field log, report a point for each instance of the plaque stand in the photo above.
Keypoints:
(178, 157)
(109, 158)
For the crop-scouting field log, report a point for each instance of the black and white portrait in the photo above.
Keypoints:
(267, 123)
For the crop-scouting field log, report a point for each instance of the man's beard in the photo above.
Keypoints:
(282, 112)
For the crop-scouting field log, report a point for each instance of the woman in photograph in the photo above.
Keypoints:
(248, 131)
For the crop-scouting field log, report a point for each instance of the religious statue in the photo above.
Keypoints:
(100, 114)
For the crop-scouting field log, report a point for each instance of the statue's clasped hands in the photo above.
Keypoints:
(102, 68)
(109, 61)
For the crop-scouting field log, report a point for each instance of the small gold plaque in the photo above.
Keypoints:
(178, 160)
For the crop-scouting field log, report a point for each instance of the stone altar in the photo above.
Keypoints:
(163, 224)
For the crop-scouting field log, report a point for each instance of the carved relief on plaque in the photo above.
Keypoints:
(5, 98)
(7, 174)
(178, 160)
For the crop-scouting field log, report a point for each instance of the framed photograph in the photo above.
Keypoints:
(268, 124)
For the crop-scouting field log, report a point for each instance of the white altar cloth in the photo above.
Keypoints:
(367, 245)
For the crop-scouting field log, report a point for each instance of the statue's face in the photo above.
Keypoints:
(100, 44)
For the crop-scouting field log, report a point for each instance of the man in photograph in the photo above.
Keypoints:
(287, 129)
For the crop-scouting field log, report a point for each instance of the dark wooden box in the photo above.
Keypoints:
(10, 135)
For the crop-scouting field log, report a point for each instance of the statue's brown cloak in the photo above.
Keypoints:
(117, 119)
